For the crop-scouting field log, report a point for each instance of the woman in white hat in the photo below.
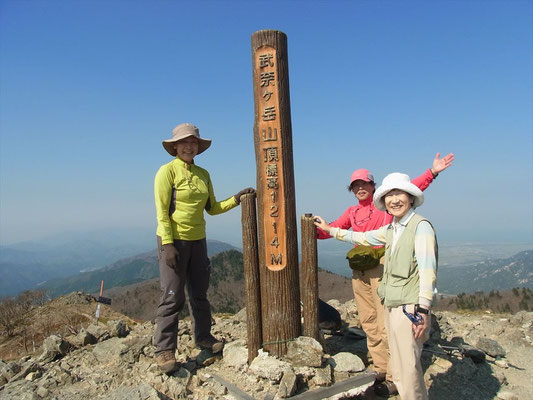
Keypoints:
(363, 217)
(183, 191)
(409, 277)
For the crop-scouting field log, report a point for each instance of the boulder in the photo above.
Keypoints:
(98, 332)
(346, 362)
(304, 351)
(490, 347)
(236, 354)
(83, 338)
(268, 367)
(118, 328)
(54, 347)
(110, 350)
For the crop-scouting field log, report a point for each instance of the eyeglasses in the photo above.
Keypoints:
(415, 318)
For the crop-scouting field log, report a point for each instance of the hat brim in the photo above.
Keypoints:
(407, 187)
(203, 144)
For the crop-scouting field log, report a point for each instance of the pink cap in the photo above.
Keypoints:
(361, 174)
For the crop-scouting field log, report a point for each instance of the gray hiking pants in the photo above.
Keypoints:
(192, 277)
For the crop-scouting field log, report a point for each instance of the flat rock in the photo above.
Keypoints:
(139, 392)
(110, 350)
(346, 362)
(235, 354)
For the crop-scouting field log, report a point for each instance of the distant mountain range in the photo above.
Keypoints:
(123, 258)
(27, 265)
(495, 274)
(124, 272)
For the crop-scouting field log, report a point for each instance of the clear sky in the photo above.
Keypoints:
(88, 89)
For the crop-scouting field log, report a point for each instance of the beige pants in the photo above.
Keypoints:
(371, 313)
(405, 353)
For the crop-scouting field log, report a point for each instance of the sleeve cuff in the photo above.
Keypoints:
(424, 302)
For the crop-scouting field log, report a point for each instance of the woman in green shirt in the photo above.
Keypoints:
(183, 191)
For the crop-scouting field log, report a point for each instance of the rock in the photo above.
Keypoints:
(502, 364)
(205, 357)
(42, 392)
(505, 395)
(118, 328)
(443, 363)
(54, 347)
(21, 390)
(77, 298)
(304, 351)
(9, 370)
(522, 317)
(288, 384)
(235, 354)
(32, 376)
(346, 362)
(135, 347)
(268, 367)
(476, 355)
(110, 350)
(490, 347)
(322, 376)
(177, 384)
(83, 338)
(240, 316)
(465, 368)
(27, 368)
(98, 332)
(139, 392)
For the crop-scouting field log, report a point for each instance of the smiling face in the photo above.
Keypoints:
(398, 202)
(187, 149)
(362, 189)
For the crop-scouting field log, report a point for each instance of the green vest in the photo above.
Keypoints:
(401, 283)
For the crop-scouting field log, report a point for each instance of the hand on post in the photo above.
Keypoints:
(244, 191)
(440, 164)
(171, 255)
(321, 223)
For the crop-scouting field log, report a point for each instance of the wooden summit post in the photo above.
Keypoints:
(277, 232)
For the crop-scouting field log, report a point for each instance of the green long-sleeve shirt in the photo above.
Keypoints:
(194, 193)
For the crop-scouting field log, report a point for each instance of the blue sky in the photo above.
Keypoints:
(88, 89)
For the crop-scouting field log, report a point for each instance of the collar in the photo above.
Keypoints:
(182, 163)
(367, 202)
(406, 218)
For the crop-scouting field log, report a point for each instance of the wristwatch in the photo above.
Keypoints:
(422, 310)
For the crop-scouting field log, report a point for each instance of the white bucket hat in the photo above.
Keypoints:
(183, 131)
(397, 180)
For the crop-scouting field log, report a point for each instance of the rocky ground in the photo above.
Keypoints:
(469, 356)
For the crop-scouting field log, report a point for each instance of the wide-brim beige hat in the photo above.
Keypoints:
(183, 131)
(397, 180)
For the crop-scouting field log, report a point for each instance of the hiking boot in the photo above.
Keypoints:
(210, 343)
(385, 389)
(166, 361)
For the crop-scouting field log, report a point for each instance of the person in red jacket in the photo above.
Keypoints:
(363, 217)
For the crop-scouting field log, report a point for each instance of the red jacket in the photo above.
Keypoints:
(364, 216)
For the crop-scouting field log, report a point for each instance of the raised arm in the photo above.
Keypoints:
(439, 165)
